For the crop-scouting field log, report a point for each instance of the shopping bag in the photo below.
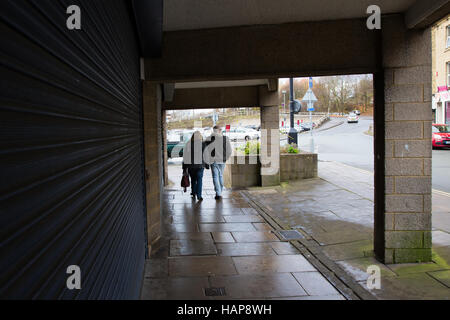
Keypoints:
(185, 182)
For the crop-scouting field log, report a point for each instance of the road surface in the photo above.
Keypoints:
(347, 143)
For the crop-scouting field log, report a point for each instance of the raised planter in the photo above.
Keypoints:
(298, 166)
(242, 172)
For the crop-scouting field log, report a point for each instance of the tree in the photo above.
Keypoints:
(364, 92)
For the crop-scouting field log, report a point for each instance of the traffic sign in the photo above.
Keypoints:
(310, 82)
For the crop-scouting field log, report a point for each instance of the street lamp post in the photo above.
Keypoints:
(293, 136)
(284, 106)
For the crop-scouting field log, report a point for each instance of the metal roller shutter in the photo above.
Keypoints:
(71, 158)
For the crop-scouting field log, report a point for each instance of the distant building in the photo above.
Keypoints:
(441, 71)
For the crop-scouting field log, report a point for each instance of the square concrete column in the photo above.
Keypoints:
(153, 161)
(407, 96)
(164, 142)
(270, 137)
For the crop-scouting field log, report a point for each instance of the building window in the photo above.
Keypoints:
(448, 37)
(448, 74)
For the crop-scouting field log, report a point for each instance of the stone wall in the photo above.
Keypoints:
(407, 68)
(298, 166)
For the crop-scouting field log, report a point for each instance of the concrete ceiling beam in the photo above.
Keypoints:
(424, 13)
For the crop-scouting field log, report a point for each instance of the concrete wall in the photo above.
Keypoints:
(254, 52)
(242, 172)
(298, 166)
(221, 97)
(407, 68)
(153, 161)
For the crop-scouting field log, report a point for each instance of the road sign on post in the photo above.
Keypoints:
(310, 98)
(310, 83)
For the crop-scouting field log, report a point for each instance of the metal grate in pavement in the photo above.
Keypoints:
(215, 292)
(289, 235)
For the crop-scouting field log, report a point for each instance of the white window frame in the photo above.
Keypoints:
(448, 37)
(448, 74)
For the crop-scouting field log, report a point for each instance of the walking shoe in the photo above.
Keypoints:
(218, 197)
(200, 199)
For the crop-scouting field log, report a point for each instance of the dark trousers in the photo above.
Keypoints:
(196, 175)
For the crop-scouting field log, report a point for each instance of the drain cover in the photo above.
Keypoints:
(289, 235)
(215, 292)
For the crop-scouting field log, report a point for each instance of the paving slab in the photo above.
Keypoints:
(442, 276)
(191, 236)
(272, 264)
(259, 286)
(412, 268)
(175, 289)
(156, 268)
(201, 266)
(222, 237)
(283, 248)
(255, 236)
(243, 218)
(225, 227)
(262, 226)
(192, 247)
(357, 268)
(350, 250)
(245, 249)
(315, 284)
(416, 286)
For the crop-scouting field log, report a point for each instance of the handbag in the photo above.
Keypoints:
(185, 182)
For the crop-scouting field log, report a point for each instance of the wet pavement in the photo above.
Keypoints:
(231, 250)
(225, 250)
(335, 213)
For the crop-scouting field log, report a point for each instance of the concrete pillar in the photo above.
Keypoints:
(407, 95)
(270, 137)
(164, 150)
(153, 159)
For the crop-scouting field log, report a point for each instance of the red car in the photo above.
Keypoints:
(441, 135)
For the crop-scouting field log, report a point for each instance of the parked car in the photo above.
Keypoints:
(285, 130)
(357, 112)
(176, 141)
(236, 134)
(440, 135)
(254, 127)
(352, 118)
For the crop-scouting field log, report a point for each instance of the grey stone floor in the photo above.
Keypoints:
(228, 246)
(336, 213)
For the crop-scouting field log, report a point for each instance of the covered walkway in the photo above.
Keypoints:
(225, 250)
